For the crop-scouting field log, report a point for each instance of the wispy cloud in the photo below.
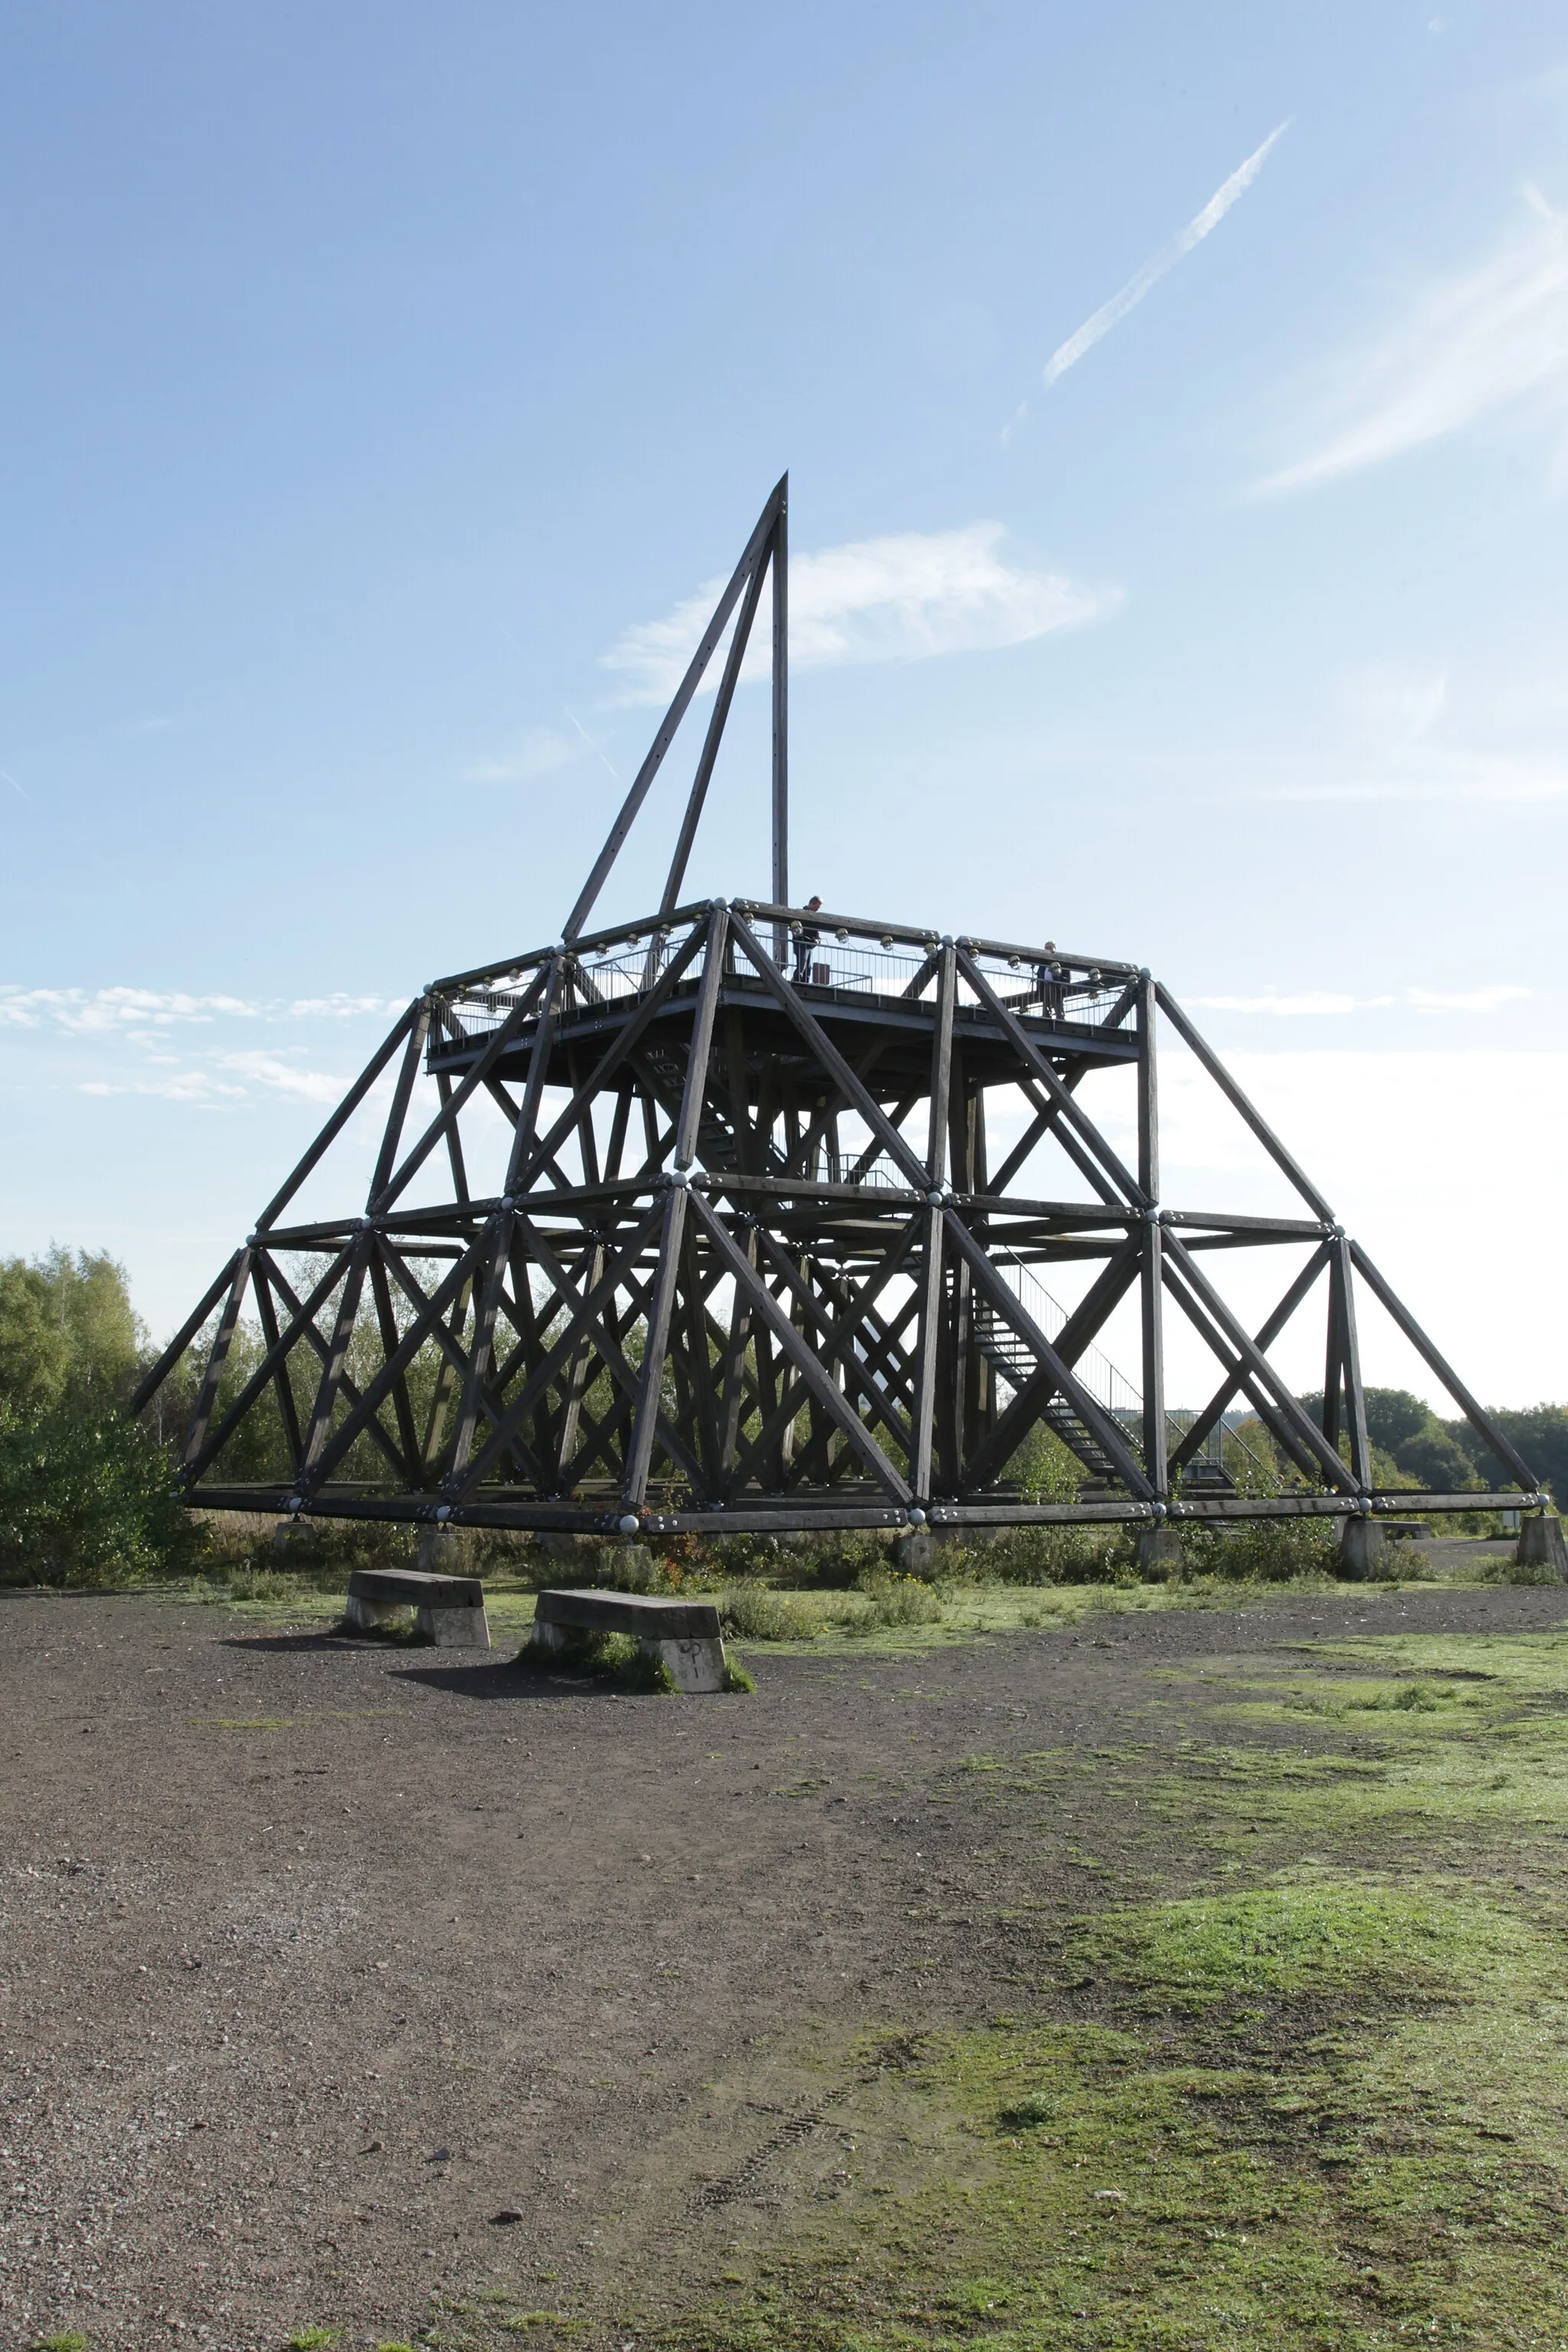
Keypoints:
(272, 1071)
(1485, 340)
(111, 1011)
(902, 598)
(229, 1078)
(1466, 1000)
(1110, 314)
(542, 751)
(1319, 1002)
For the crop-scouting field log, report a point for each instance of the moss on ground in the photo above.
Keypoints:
(1325, 2109)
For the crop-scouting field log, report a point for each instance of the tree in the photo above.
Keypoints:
(67, 1329)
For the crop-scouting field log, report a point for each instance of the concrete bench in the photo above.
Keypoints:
(450, 1608)
(682, 1634)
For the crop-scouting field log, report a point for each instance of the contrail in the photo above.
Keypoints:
(587, 738)
(1068, 355)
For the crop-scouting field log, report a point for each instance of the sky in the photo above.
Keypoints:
(1175, 404)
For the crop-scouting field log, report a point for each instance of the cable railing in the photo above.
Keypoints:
(842, 957)
(1093, 1370)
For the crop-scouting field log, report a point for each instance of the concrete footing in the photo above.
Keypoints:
(440, 1551)
(927, 1552)
(1364, 1548)
(1158, 1551)
(1540, 1545)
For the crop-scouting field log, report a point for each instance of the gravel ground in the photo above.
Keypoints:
(336, 1978)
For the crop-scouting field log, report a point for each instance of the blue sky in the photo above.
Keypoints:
(380, 385)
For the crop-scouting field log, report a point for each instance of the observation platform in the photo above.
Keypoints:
(870, 985)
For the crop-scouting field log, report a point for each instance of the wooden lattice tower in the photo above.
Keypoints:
(746, 1262)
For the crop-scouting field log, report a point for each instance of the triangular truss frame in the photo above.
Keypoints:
(748, 1265)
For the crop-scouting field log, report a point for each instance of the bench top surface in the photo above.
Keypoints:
(646, 1614)
(417, 1588)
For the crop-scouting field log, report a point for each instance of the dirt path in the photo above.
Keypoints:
(337, 1983)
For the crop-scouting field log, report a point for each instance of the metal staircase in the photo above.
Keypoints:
(1012, 1357)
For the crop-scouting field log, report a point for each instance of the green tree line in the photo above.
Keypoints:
(87, 1495)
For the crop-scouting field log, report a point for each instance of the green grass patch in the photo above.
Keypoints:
(1324, 2109)
(1349, 1940)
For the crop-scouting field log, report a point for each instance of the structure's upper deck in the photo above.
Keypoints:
(863, 980)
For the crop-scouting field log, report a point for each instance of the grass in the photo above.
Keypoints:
(311, 2339)
(1318, 2104)
(614, 1657)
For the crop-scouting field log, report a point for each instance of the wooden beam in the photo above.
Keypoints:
(672, 717)
(340, 1118)
(1479, 1419)
(1099, 1423)
(822, 1390)
(1238, 1102)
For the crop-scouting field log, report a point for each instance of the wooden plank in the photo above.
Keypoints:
(538, 1068)
(646, 1415)
(1307, 1459)
(265, 1371)
(340, 1118)
(1356, 1396)
(402, 1094)
(337, 1354)
(1099, 1423)
(711, 742)
(1307, 1431)
(929, 1341)
(1474, 1413)
(1028, 1053)
(822, 1390)
(280, 1282)
(623, 1044)
(941, 1066)
(1082, 1326)
(191, 1452)
(586, 1321)
(622, 1373)
(449, 1113)
(695, 1092)
(147, 1388)
(272, 1336)
(1238, 1102)
(837, 1332)
(672, 720)
(413, 1340)
(481, 1348)
(1148, 1093)
(1151, 1333)
(780, 566)
(827, 1053)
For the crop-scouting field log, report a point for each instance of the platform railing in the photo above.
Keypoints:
(849, 954)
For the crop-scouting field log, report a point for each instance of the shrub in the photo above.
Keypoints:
(87, 1498)
(1272, 1551)
(1058, 1555)
(755, 1613)
(895, 1600)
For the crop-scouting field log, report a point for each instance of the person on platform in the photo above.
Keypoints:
(1048, 978)
(808, 937)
